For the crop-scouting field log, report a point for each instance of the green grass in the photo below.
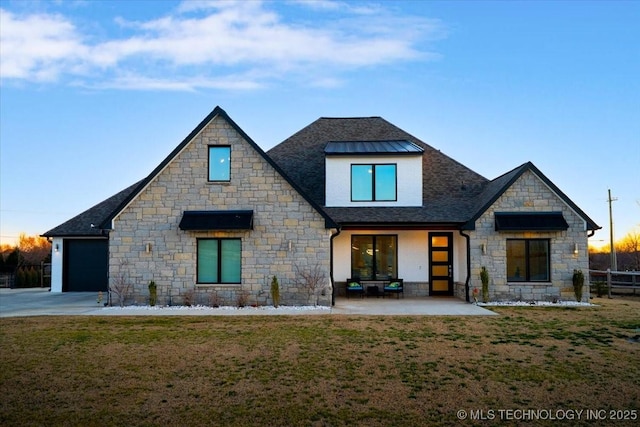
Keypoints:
(317, 370)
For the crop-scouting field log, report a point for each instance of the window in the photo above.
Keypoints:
(373, 183)
(219, 260)
(528, 260)
(219, 163)
(374, 257)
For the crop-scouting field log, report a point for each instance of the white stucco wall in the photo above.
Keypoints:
(413, 254)
(338, 179)
(56, 264)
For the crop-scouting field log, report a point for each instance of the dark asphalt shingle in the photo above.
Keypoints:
(449, 188)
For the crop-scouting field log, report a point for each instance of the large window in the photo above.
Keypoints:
(219, 163)
(373, 183)
(219, 260)
(374, 257)
(528, 260)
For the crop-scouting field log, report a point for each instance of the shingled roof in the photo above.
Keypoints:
(449, 188)
(87, 224)
(453, 195)
(496, 187)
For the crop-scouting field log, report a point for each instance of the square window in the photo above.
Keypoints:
(374, 257)
(219, 261)
(219, 163)
(528, 260)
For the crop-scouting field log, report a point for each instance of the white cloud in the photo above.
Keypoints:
(205, 44)
(37, 47)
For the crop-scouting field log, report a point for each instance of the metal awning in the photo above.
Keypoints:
(530, 221)
(337, 148)
(216, 220)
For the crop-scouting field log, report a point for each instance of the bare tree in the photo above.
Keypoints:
(312, 280)
(629, 251)
(33, 249)
(121, 286)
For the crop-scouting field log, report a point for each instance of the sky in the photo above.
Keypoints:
(95, 94)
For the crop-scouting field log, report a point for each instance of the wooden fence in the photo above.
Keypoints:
(621, 281)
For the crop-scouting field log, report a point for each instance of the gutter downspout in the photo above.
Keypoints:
(466, 282)
(333, 287)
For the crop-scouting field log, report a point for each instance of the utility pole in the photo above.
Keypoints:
(614, 261)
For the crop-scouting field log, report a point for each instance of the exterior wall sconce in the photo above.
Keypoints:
(147, 248)
(484, 248)
(57, 248)
(290, 245)
(575, 249)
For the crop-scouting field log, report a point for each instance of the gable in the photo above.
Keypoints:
(526, 187)
(216, 129)
(525, 191)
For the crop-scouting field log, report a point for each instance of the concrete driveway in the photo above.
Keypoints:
(41, 302)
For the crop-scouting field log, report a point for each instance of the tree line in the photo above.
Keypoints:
(627, 254)
(21, 263)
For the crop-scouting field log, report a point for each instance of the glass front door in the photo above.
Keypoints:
(440, 263)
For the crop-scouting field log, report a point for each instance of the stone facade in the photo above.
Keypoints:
(288, 236)
(529, 194)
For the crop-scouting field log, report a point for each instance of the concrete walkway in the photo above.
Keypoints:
(41, 302)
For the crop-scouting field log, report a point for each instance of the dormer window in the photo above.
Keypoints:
(381, 173)
(373, 183)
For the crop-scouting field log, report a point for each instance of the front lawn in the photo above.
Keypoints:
(324, 370)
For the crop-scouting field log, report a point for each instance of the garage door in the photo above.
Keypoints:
(86, 265)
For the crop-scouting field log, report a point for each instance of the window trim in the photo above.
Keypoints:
(374, 267)
(209, 147)
(527, 258)
(373, 182)
(219, 261)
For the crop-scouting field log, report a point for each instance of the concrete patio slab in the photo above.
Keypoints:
(425, 306)
(41, 302)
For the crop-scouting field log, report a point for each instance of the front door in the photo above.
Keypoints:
(440, 263)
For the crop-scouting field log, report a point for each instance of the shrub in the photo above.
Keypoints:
(242, 299)
(312, 280)
(214, 299)
(601, 288)
(484, 277)
(578, 282)
(189, 297)
(153, 293)
(275, 291)
(121, 285)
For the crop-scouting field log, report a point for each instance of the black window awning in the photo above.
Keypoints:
(530, 221)
(216, 220)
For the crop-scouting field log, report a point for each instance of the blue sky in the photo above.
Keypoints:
(95, 94)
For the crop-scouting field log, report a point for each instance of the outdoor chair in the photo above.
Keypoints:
(395, 286)
(354, 287)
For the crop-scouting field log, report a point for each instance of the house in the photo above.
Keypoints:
(342, 198)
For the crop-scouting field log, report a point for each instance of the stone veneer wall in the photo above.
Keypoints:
(411, 289)
(529, 194)
(288, 234)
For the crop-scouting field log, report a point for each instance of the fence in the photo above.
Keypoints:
(27, 276)
(625, 282)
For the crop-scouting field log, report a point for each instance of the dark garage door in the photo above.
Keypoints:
(86, 265)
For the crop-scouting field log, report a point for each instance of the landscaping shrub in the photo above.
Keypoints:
(275, 291)
(153, 293)
(578, 283)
